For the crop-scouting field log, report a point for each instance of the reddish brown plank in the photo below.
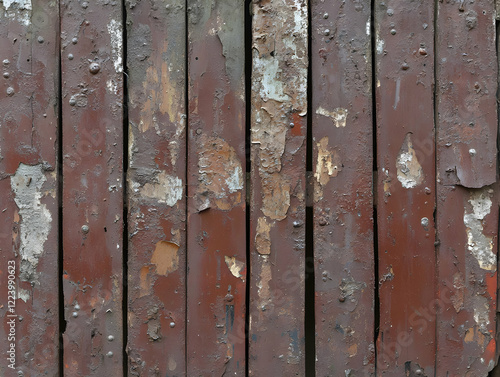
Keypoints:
(156, 178)
(29, 47)
(467, 219)
(277, 220)
(92, 96)
(216, 234)
(404, 59)
(343, 204)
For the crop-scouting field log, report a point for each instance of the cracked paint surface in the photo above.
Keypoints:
(36, 219)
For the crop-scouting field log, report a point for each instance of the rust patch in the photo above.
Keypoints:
(276, 196)
(220, 175)
(165, 257)
(263, 238)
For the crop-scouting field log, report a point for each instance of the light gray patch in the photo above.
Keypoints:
(35, 217)
(231, 35)
(480, 245)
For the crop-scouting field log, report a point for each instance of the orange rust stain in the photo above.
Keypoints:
(297, 125)
(145, 281)
(165, 257)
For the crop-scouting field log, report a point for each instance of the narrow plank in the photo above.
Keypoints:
(467, 219)
(216, 235)
(29, 232)
(277, 220)
(343, 204)
(92, 97)
(406, 342)
(156, 179)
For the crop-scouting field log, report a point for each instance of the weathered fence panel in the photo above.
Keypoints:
(156, 42)
(342, 198)
(278, 196)
(167, 168)
(406, 187)
(92, 116)
(467, 208)
(29, 216)
(216, 229)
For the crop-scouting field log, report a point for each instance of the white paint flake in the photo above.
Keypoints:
(409, 170)
(18, 9)
(35, 217)
(115, 32)
(480, 245)
(338, 115)
(167, 189)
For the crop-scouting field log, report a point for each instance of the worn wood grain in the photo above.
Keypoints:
(29, 233)
(216, 228)
(404, 56)
(278, 158)
(156, 188)
(92, 97)
(343, 205)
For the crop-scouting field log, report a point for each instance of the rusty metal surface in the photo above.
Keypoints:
(156, 188)
(92, 97)
(467, 86)
(28, 189)
(466, 219)
(216, 230)
(406, 187)
(277, 220)
(342, 167)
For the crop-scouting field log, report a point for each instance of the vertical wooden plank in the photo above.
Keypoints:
(156, 179)
(216, 235)
(467, 209)
(278, 151)
(406, 187)
(29, 231)
(343, 204)
(92, 95)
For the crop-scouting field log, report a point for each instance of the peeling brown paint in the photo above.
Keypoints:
(263, 237)
(165, 257)
(328, 165)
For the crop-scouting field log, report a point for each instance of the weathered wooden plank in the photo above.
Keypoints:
(29, 47)
(466, 219)
(92, 86)
(156, 180)
(406, 187)
(216, 235)
(343, 169)
(467, 85)
(278, 152)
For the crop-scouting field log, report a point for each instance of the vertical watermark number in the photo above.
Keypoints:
(11, 313)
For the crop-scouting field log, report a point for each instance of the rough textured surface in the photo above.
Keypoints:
(92, 187)
(156, 39)
(343, 210)
(28, 184)
(216, 283)
(467, 218)
(278, 141)
(404, 59)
